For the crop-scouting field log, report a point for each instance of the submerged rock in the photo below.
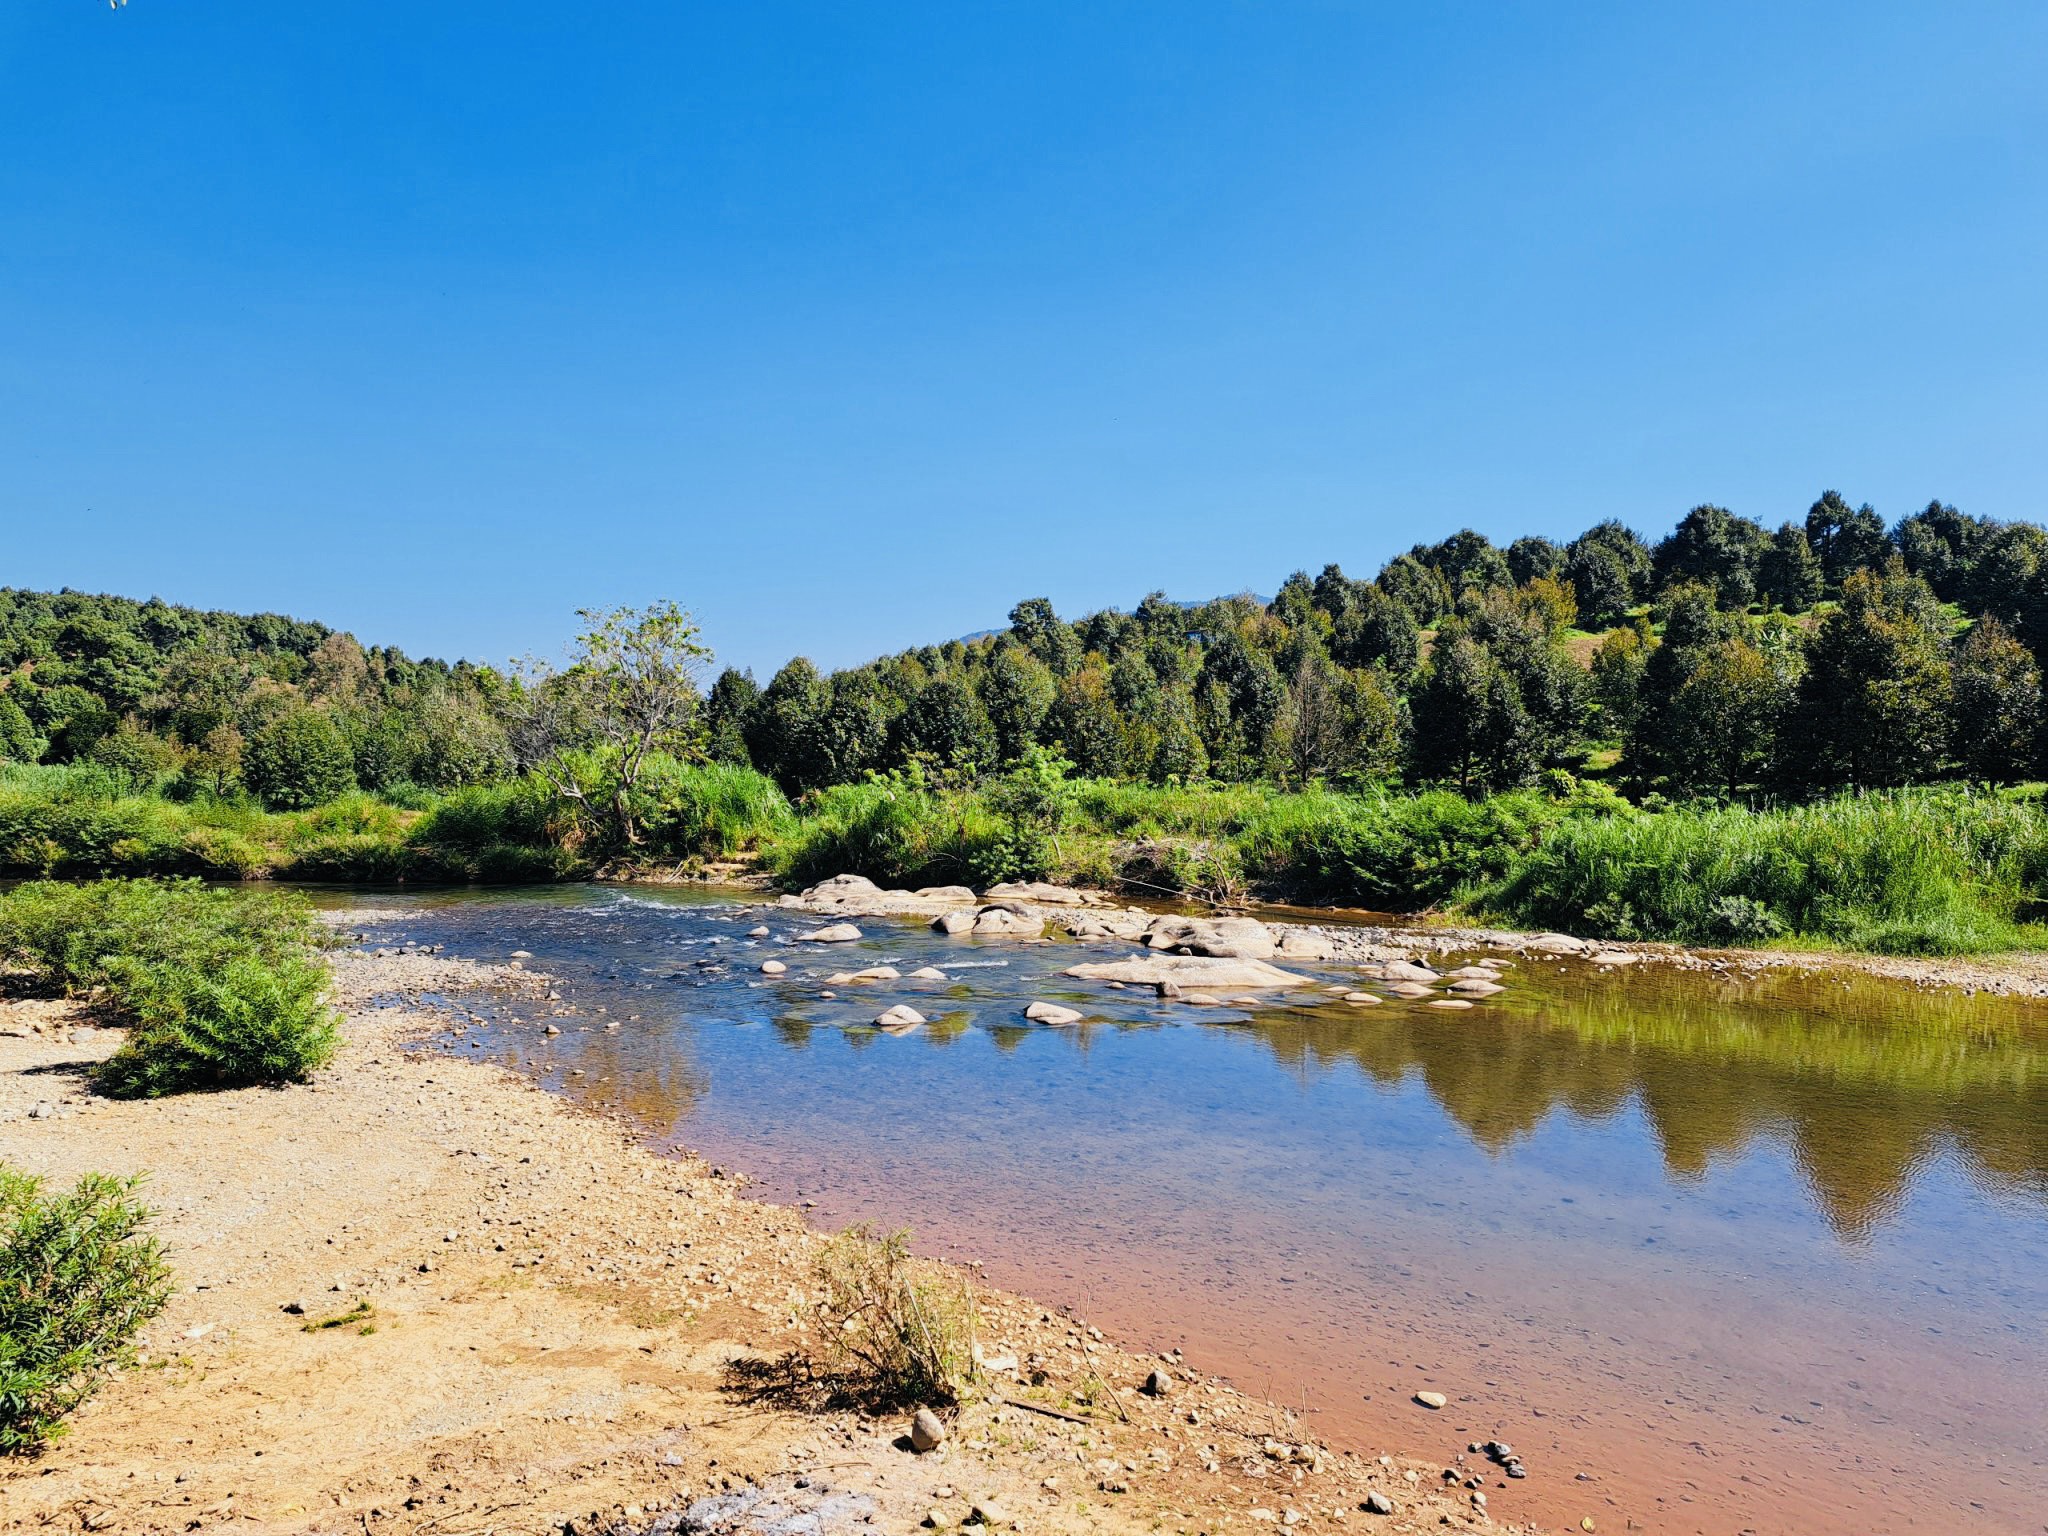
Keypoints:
(1189, 970)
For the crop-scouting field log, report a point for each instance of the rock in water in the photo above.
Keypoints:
(927, 1433)
(761, 932)
(772, 967)
(953, 922)
(1051, 1013)
(832, 933)
(899, 1017)
(1431, 1399)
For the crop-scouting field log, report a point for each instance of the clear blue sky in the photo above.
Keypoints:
(848, 325)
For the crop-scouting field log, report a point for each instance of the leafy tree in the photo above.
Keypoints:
(1531, 558)
(1942, 546)
(1181, 755)
(1789, 573)
(785, 735)
(728, 712)
(1016, 690)
(629, 694)
(1714, 546)
(1609, 568)
(1246, 694)
(1874, 706)
(19, 742)
(1845, 541)
(298, 760)
(1376, 631)
(946, 726)
(1084, 722)
(1039, 630)
(1417, 587)
(1469, 726)
(1997, 707)
(1616, 680)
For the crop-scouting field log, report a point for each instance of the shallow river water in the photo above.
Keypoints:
(1713, 1255)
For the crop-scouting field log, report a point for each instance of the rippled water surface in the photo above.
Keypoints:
(1714, 1255)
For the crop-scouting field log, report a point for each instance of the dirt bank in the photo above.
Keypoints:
(564, 1329)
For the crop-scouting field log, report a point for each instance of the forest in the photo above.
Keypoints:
(1725, 672)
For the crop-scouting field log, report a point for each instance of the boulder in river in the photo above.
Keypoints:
(929, 973)
(772, 967)
(900, 1017)
(1040, 892)
(1558, 944)
(1009, 918)
(1407, 970)
(877, 973)
(953, 922)
(1190, 970)
(959, 893)
(832, 933)
(1051, 1013)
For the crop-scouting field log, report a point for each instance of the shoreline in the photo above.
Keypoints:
(568, 1328)
(1086, 915)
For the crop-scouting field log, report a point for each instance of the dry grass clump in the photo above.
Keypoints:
(896, 1329)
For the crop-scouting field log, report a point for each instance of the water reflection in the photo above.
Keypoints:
(1864, 1082)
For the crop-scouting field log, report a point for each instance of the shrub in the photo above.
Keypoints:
(297, 761)
(898, 1331)
(691, 810)
(78, 1279)
(221, 988)
(894, 828)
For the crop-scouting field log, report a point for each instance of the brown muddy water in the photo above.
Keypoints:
(1712, 1255)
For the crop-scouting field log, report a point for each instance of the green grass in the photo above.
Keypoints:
(78, 1279)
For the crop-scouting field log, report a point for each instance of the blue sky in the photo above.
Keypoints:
(847, 326)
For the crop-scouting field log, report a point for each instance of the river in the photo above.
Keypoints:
(1714, 1255)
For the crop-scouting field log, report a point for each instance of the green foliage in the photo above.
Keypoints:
(895, 828)
(78, 1280)
(298, 760)
(220, 988)
(1941, 872)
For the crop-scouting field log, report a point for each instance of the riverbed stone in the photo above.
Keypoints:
(953, 922)
(1051, 1013)
(1009, 918)
(1363, 999)
(878, 973)
(772, 967)
(901, 1016)
(1039, 892)
(1472, 987)
(1190, 970)
(1406, 970)
(759, 931)
(1410, 989)
(1449, 1002)
(929, 973)
(959, 893)
(927, 1431)
(831, 933)
(1558, 944)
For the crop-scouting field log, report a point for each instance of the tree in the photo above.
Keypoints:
(1941, 546)
(1788, 573)
(1469, 726)
(1845, 541)
(1084, 722)
(1016, 690)
(1616, 680)
(1874, 705)
(19, 742)
(1039, 630)
(1419, 588)
(1530, 558)
(298, 760)
(946, 726)
(1243, 695)
(1997, 708)
(629, 693)
(1609, 568)
(728, 714)
(1713, 545)
(1376, 631)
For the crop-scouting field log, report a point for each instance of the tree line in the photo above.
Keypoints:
(1725, 659)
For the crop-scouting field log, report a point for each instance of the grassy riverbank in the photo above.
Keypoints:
(1939, 871)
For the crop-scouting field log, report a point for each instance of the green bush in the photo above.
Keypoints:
(897, 829)
(297, 761)
(221, 988)
(78, 1280)
(692, 810)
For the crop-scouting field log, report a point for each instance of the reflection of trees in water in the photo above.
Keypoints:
(1864, 1082)
(657, 1089)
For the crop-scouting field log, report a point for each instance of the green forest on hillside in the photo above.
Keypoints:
(1548, 732)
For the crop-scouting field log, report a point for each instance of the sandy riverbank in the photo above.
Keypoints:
(567, 1329)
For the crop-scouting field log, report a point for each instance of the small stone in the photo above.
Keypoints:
(522, 954)
(899, 1017)
(1377, 1503)
(929, 973)
(1431, 1400)
(760, 932)
(44, 1110)
(772, 967)
(1159, 1384)
(927, 1431)
(832, 933)
(552, 1029)
(989, 1512)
